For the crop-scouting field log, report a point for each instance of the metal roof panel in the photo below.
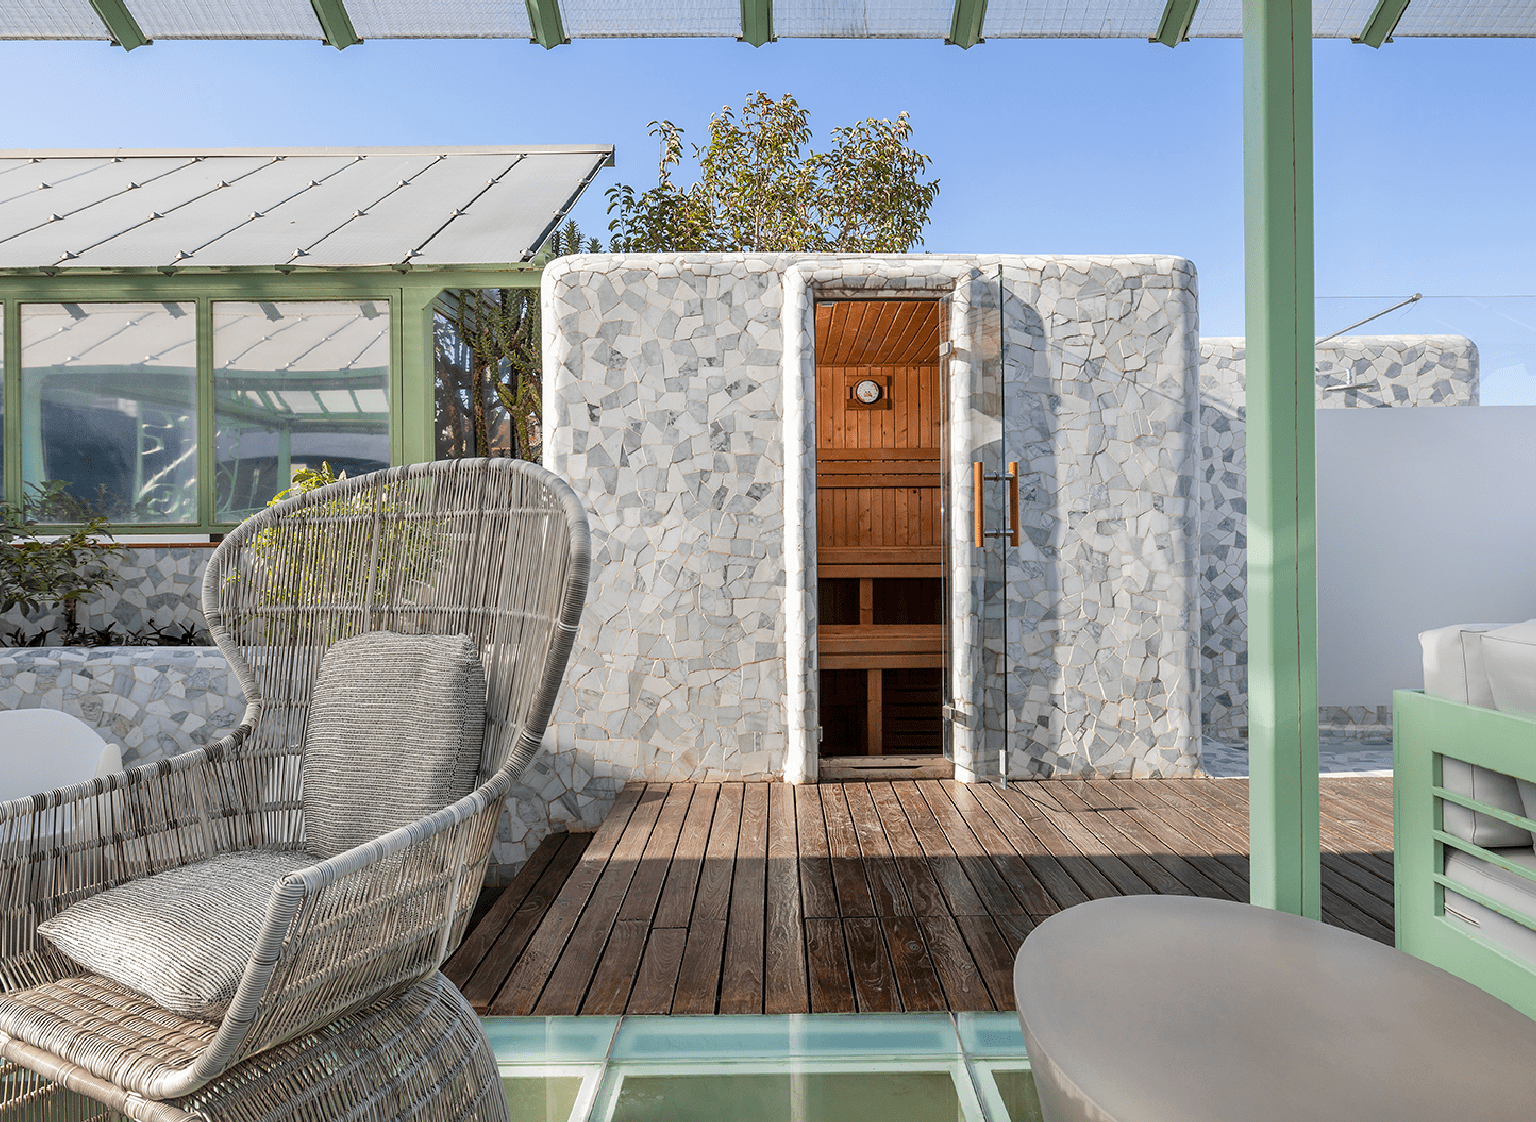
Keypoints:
(91, 225)
(534, 193)
(410, 19)
(227, 19)
(207, 219)
(57, 19)
(254, 208)
(389, 230)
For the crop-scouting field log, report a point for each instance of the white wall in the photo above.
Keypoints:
(1425, 517)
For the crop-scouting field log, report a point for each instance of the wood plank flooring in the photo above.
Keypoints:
(870, 896)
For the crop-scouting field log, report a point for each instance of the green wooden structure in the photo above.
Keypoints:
(1425, 731)
(316, 272)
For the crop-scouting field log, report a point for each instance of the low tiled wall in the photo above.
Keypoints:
(152, 702)
(152, 586)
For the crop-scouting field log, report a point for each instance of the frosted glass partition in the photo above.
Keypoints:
(109, 402)
(296, 384)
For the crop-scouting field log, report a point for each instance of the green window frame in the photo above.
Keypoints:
(409, 296)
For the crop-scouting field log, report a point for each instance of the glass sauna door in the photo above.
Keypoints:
(980, 486)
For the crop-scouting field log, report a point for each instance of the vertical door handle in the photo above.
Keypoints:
(981, 478)
(1013, 501)
(980, 474)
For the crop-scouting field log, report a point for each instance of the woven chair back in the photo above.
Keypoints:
(494, 549)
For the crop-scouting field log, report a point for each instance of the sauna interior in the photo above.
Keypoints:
(879, 527)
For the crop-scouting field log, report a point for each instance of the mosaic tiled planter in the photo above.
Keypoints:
(152, 702)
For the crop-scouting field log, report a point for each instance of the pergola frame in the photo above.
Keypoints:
(410, 294)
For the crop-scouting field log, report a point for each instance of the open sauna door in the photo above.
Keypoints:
(880, 420)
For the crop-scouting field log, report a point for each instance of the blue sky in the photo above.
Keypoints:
(1425, 152)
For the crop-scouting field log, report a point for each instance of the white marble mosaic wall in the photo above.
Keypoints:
(151, 587)
(1353, 372)
(152, 702)
(670, 385)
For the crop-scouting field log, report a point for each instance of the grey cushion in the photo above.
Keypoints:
(1454, 668)
(182, 938)
(1497, 884)
(395, 732)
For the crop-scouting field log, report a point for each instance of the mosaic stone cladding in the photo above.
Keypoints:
(152, 702)
(1353, 372)
(676, 390)
(151, 587)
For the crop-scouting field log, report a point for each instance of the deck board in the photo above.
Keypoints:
(877, 896)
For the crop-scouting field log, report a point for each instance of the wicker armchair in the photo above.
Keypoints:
(493, 549)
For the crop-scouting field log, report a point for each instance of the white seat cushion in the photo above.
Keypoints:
(181, 938)
(1509, 655)
(1454, 668)
(1498, 884)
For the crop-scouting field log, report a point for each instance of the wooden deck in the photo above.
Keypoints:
(877, 896)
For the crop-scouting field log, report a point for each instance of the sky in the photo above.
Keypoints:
(1425, 150)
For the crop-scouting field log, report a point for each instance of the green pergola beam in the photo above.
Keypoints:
(1173, 28)
(548, 27)
(757, 21)
(1282, 545)
(965, 26)
(335, 22)
(1383, 21)
(120, 24)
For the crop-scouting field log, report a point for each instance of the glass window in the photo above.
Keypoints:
(296, 384)
(109, 404)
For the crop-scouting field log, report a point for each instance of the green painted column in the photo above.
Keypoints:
(1282, 548)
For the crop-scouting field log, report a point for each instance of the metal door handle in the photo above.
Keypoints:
(981, 478)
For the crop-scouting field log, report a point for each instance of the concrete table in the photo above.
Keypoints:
(1167, 1007)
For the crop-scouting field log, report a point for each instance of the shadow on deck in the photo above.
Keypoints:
(870, 897)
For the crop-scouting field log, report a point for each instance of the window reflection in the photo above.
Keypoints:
(109, 403)
(296, 384)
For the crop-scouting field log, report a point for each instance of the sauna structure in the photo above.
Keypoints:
(935, 508)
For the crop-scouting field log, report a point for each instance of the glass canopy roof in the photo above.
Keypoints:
(348, 21)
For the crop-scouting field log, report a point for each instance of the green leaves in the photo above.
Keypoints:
(40, 570)
(761, 189)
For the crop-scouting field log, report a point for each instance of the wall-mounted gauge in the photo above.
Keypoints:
(868, 391)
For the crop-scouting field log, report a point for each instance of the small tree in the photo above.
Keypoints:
(494, 337)
(761, 190)
(40, 571)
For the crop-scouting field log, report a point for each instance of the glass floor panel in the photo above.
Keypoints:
(912, 1067)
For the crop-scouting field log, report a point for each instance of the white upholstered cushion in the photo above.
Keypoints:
(1509, 656)
(1498, 884)
(182, 938)
(395, 731)
(1454, 668)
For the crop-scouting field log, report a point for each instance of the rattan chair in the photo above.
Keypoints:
(350, 947)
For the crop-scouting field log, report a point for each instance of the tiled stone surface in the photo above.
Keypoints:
(672, 385)
(152, 702)
(1384, 371)
(151, 587)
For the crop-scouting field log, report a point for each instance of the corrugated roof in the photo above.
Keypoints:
(137, 20)
(265, 208)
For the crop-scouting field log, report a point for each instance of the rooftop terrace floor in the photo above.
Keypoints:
(901, 896)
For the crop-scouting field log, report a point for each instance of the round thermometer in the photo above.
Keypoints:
(867, 391)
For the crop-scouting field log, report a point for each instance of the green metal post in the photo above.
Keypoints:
(207, 422)
(757, 21)
(335, 23)
(11, 363)
(120, 24)
(1173, 28)
(1282, 548)
(414, 389)
(548, 26)
(1383, 21)
(966, 23)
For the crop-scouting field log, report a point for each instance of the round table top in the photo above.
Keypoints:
(1165, 1007)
